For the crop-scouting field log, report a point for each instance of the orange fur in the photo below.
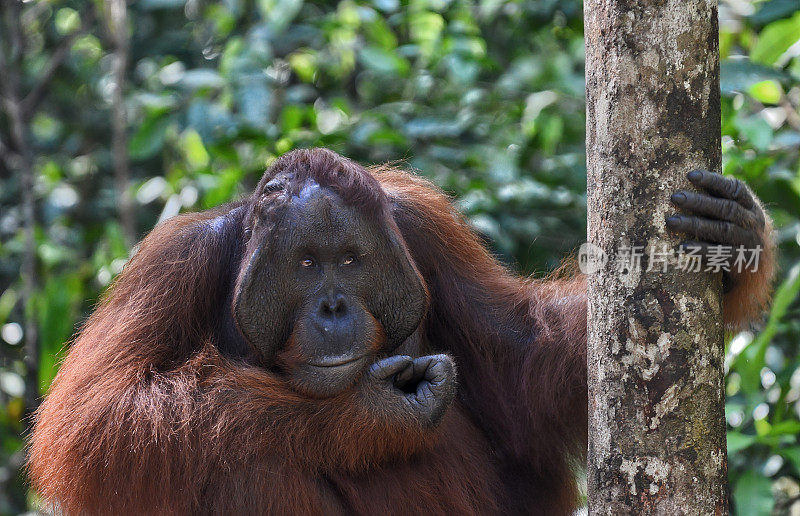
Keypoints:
(748, 300)
(150, 414)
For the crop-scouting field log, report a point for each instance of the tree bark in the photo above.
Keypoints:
(655, 357)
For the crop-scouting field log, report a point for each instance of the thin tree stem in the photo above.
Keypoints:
(118, 28)
(20, 131)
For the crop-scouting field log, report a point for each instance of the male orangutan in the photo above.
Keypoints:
(339, 342)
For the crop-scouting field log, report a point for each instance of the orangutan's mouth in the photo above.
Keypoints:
(340, 364)
(336, 361)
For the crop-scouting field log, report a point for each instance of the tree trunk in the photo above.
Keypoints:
(656, 401)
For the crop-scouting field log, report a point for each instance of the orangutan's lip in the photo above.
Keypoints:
(337, 361)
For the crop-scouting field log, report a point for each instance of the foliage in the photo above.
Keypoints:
(484, 97)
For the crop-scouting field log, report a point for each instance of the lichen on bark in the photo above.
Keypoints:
(656, 399)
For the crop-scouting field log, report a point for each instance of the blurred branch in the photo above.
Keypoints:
(19, 111)
(57, 58)
(117, 22)
(31, 101)
(792, 118)
(20, 130)
(6, 157)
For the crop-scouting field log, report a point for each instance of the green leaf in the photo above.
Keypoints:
(792, 454)
(763, 428)
(58, 305)
(67, 20)
(738, 441)
(115, 240)
(790, 427)
(774, 10)
(739, 74)
(766, 92)
(201, 78)
(387, 5)
(756, 130)
(751, 359)
(7, 301)
(88, 47)
(221, 18)
(380, 34)
(752, 495)
(291, 118)
(224, 189)
(148, 139)
(775, 39)
(150, 5)
(196, 155)
(383, 61)
(279, 13)
(429, 127)
(425, 27)
(254, 98)
(304, 64)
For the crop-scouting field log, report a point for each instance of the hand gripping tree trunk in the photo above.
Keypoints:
(656, 401)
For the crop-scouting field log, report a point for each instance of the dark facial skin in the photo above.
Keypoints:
(327, 294)
(724, 213)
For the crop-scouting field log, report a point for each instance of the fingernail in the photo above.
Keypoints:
(678, 198)
(694, 175)
(675, 219)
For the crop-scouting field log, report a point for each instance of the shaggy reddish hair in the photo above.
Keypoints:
(152, 413)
